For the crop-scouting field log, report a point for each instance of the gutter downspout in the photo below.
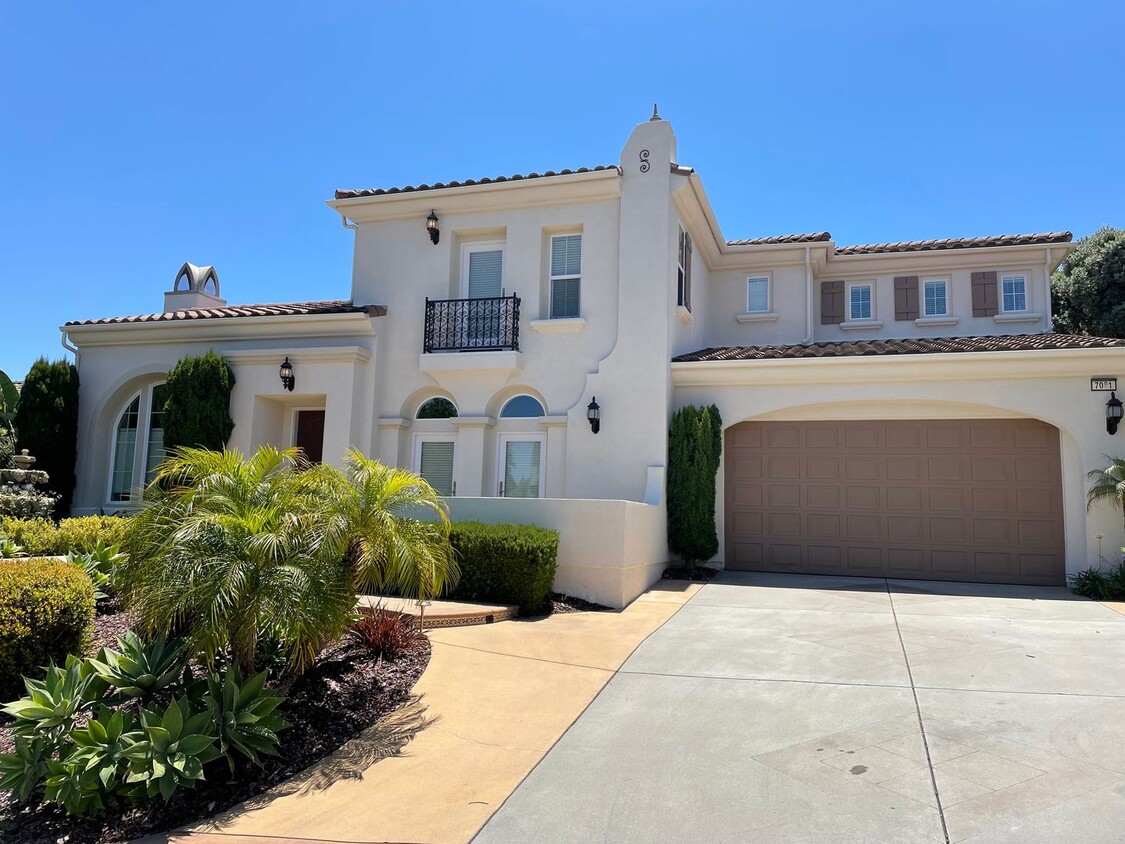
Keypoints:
(65, 340)
(808, 299)
(344, 222)
(1047, 282)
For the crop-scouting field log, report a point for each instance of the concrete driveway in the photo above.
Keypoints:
(777, 708)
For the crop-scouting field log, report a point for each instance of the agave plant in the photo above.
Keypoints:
(23, 770)
(140, 670)
(99, 564)
(9, 549)
(95, 769)
(244, 714)
(52, 704)
(177, 744)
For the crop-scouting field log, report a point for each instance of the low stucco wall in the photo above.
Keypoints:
(610, 551)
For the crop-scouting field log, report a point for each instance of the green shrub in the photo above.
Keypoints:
(47, 423)
(46, 612)
(1101, 584)
(695, 444)
(78, 535)
(505, 563)
(197, 409)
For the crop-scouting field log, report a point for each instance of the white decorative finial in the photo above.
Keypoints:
(655, 116)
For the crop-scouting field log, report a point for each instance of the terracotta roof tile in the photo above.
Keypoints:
(335, 306)
(353, 194)
(814, 237)
(918, 346)
(956, 243)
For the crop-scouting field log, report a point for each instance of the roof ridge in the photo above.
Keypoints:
(265, 309)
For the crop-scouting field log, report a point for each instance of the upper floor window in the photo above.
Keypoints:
(522, 407)
(757, 294)
(935, 297)
(683, 270)
(860, 301)
(482, 271)
(1013, 292)
(566, 275)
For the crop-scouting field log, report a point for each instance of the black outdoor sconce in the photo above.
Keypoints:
(286, 372)
(1113, 412)
(594, 415)
(431, 227)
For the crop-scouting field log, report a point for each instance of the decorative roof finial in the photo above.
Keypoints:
(655, 116)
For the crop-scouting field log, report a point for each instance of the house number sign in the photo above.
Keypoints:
(1103, 385)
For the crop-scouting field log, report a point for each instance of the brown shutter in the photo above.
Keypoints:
(906, 297)
(831, 302)
(985, 300)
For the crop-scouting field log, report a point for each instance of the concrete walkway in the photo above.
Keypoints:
(493, 701)
(777, 708)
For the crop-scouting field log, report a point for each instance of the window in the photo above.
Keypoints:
(154, 451)
(433, 461)
(138, 444)
(935, 296)
(566, 275)
(1013, 289)
(521, 466)
(437, 408)
(522, 407)
(757, 295)
(683, 270)
(859, 302)
(125, 452)
(483, 270)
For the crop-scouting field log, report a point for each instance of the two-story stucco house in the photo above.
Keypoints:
(897, 409)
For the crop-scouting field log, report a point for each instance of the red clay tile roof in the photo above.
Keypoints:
(352, 194)
(919, 346)
(956, 243)
(814, 237)
(335, 306)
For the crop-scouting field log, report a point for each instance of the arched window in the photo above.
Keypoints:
(138, 443)
(522, 407)
(437, 408)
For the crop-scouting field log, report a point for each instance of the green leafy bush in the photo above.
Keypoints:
(695, 444)
(505, 563)
(47, 423)
(197, 407)
(1101, 584)
(46, 613)
(78, 535)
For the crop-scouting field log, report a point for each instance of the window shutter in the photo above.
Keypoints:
(564, 298)
(436, 466)
(985, 299)
(831, 302)
(485, 274)
(906, 297)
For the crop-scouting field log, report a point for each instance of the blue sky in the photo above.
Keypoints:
(136, 136)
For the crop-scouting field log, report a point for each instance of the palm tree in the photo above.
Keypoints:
(1108, 484)
(390, 525)
(226, 547)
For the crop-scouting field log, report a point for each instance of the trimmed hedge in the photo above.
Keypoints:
(81, 534)
(505, 563)
(46, 612)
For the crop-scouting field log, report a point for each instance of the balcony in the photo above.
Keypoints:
(472, 325)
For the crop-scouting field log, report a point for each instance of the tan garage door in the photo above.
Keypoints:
(975, 500)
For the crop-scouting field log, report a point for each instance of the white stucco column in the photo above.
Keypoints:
(555, 482)
(468, 462)
(392, 447)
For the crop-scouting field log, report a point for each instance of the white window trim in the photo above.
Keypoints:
(768, 279)
(416, 461)
(483, 246)
(683, 265)
(140, 447)
(502, 454)
(1026, 292)
(551, 279)
(864, 322)
(945, 282)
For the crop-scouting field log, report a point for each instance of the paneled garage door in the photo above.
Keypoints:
(975, 500)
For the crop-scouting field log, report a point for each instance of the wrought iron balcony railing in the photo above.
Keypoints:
(472, 325)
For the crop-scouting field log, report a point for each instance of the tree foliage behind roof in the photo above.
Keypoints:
(197, 407)
(47, 424)
(1088, 291)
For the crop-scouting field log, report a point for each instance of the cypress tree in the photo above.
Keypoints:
(694, 450)
(197, 407)
(47, 424)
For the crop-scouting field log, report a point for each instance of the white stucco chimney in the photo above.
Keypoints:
(195, 287)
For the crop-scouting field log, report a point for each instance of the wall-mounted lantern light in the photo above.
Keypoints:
(1113, 413)
(594, 415)
(431, 227)
(288, 381)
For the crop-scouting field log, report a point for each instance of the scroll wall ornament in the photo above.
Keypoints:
(644, 161)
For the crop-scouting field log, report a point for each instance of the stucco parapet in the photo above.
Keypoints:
(470, 361)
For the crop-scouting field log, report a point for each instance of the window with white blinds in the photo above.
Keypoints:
(758, 295)
(566, 275)
(435, 465)
(523, 469)
(485, 273)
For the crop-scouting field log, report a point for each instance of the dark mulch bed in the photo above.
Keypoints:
(700, 574)
(346, 692)
(561, 603)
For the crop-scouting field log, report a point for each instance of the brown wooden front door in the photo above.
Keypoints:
(310, 434)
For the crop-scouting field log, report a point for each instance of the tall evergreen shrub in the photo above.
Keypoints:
(197, 407)
(695, 444)
(47, 424)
